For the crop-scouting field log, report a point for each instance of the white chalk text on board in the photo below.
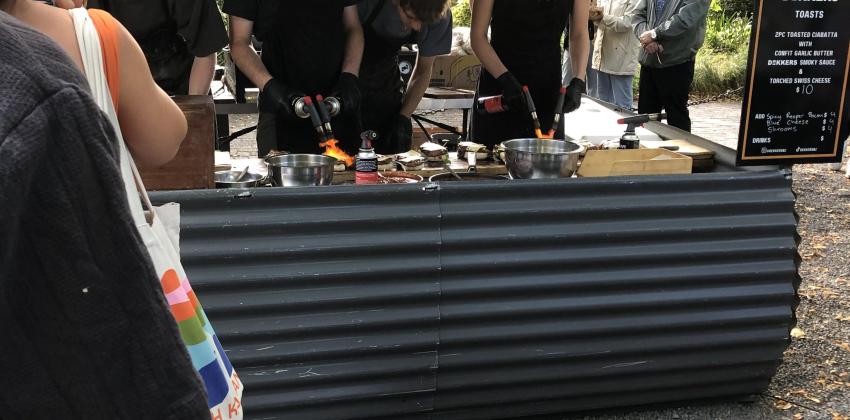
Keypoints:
(795, 97)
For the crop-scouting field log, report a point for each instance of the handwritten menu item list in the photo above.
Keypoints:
(797, 75)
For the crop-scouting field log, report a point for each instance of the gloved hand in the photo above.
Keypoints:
(348, 92)
(572, 100)
(399, 135)
(276, 98)
(511, 91)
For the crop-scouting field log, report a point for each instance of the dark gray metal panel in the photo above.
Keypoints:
(496, 299)
(564, 296)
(326, 299)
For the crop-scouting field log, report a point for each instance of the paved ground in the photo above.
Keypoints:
(717, 121)
(813, 381)
(245, 146)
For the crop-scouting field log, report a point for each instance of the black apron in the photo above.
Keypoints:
(381, 83)
(526, 35)
(304, 48)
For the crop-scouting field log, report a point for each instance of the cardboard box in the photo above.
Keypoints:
(618, 162)
(457, 71)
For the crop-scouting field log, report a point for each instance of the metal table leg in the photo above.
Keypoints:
(465, 128)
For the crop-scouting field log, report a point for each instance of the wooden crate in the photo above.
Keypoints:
(618, 162)
(192, 168)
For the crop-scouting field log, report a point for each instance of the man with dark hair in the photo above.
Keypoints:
(426, 11)
(387, 26)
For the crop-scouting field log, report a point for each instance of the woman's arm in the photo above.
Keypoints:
(482, 11)
(579, 38)
(354, 41)
(153, 126)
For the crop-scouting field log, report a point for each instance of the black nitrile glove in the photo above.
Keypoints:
(348, 92)
(276, 98)
(511, 91)
(572, 100)
(399, 135)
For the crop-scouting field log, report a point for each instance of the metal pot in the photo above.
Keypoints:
(227, 179)
(541, 158)
(301, 170)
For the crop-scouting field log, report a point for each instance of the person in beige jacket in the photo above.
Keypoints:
(615, 51)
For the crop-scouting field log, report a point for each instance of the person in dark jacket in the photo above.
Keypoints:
(670, 33)
(86, 330)
(180, 39)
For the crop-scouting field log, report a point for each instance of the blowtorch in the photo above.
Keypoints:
(629, 139)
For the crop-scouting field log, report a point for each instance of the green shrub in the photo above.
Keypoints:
(716, 72)
(461, 13)
(725, 31)
(742, 8)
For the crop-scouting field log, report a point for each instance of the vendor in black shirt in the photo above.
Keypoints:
(310, 48)
(179, 38)
(387, 25)
(523, 49)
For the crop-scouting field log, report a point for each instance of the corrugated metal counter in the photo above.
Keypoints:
(496, 299)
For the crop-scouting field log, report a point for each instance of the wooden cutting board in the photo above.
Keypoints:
(628, 162)
(680, 146)
(689, 149)
(703, 159)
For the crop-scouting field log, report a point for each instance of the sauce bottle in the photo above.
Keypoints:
(491, 105)
(366, 166)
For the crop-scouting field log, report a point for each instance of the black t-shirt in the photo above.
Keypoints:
(171, 33)
(303, 41)
(264, 12)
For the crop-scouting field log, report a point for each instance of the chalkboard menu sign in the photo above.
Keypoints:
(795, 98)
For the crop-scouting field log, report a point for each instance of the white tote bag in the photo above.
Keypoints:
(161, 237)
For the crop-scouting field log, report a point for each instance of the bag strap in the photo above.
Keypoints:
(97, 68)
(107, 32)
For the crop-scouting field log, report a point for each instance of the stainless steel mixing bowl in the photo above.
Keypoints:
(541, 158)
(227, 179)
(301, 170)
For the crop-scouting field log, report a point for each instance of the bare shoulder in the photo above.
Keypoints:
(127, 45)
(58, 25)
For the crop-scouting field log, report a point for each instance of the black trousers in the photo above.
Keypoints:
(667, 88)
